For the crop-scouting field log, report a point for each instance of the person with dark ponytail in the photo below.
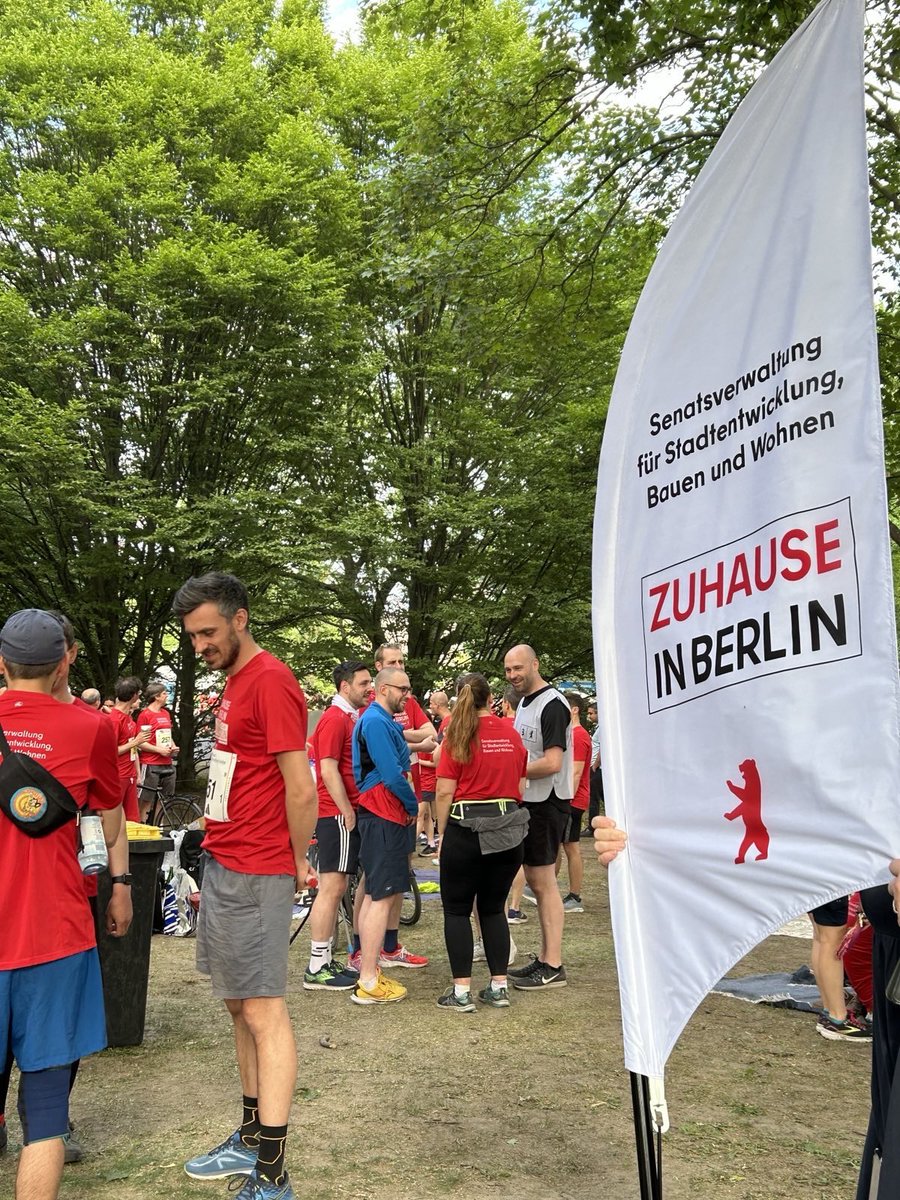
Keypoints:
(482, 824)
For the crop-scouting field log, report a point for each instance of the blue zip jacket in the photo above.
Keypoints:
(384, 758)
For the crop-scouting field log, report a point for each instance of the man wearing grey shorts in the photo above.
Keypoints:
(260, 814)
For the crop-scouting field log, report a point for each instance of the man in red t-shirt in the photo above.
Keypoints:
(582, 750)
(51, 994)
(158, 752)
(128, 739)
(336, 834)
(260, 814)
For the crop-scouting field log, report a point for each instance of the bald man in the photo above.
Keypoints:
(544, 722)
(386, 821)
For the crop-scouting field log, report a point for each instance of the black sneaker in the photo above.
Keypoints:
(72, 1147)
(456, 1003)
(542, 977)
(534, 964)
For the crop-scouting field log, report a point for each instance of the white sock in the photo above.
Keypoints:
(497, 984)
(460, 990)
(320, 955)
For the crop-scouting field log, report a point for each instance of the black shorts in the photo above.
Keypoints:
(338, 846)
(572, 831)
(834, 913)
(545, 831)
(427, 798)
(384, 850)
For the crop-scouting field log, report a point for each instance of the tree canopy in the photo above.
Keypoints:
(344, 319)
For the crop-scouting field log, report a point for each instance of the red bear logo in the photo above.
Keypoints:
(750, 811)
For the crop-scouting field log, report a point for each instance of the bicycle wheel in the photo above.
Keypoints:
(343, 922)
(412, 902)
(178, 812)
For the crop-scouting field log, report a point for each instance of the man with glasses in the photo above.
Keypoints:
(387, 824)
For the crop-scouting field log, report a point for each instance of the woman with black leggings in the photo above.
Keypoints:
(480, 784)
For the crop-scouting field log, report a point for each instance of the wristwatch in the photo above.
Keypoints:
(126, 879)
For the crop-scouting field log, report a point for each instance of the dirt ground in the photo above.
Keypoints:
(532, 1102)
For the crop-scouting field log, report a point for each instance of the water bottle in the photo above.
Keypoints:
(93, 856)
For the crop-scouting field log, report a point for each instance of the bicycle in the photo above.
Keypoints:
(343, 926)
(171, 812)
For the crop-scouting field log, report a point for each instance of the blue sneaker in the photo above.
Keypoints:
(257, 1188)
(231, 1158)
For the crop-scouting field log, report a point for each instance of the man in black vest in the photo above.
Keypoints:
(544, 722)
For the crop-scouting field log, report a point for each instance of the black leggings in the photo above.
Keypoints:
(469, 877)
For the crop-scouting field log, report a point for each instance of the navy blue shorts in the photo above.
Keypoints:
(52, 1013)
(384, 850)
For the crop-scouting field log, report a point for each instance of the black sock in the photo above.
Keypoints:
(270, 1160)
(250, 1122)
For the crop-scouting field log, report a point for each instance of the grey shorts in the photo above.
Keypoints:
(243, 931)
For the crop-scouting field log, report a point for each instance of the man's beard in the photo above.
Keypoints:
(230, 654)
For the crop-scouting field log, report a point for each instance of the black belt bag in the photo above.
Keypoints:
(33, 799)
(462, 810)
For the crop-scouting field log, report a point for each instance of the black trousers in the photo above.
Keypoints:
(469, 877)
(596, 801)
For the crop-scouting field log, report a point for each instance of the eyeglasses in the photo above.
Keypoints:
(404, 690)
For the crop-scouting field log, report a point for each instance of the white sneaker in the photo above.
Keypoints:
(478, 954)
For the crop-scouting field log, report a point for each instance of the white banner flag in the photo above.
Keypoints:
(744, 618)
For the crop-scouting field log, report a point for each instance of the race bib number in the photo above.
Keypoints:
(164, 738)
(221, 772)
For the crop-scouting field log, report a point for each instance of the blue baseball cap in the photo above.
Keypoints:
(32, 636)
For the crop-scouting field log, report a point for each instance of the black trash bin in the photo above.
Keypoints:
(125, 962)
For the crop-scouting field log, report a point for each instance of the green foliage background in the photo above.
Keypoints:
(344, 319)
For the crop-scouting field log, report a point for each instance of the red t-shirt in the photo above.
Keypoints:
(262, 714)
(125, 728)
(332, 739)
(157, 720)
(45, 913)
(496, 767)
(582, 751)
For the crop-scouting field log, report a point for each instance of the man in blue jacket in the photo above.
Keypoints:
(387, 823)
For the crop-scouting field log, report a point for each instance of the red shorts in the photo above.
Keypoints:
(129, 799)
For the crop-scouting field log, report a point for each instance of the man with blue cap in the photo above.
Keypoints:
(51, 995)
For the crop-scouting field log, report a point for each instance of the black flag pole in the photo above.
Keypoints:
(649, 1164)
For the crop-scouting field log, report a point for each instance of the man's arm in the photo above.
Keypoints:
(299, 805)
(139, 740)
(549, 763)
(331, 777)
(383, 753)
(595, 749)
(119, 912)
(577, 772)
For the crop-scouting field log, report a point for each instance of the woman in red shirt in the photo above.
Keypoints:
(480, 784)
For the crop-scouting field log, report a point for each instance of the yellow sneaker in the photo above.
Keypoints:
(384, 991)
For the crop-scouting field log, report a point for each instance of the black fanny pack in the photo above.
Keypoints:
(33, 799)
